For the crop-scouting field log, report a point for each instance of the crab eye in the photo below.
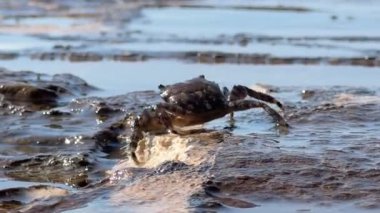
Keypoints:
(161, 87)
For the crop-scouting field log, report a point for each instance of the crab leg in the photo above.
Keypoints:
(241, 105)
(239, 92)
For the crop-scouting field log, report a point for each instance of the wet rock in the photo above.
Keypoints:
(208, 205)
(8, 108)
(284, 175)
(46, 56)
(182, 4)
(170, 166)
(334, 17)
(72, 83)
(242, 40)
(306, 94)
(106, 136)
(69, 169)
(130, 57)
(211, 198)
(39, 91)
(104, 110)
(8, 56)
(56, 113)
(29, 93)
(62, 47)
(79, 57)
(140, 192)
(10, 205)
(109, 141)
(35, 139)
(369, 204)
(201, 202)
(234, 202)
(15, 198)
(57, 89)
(208, 57)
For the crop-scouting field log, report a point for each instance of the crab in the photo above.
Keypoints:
(197, 101)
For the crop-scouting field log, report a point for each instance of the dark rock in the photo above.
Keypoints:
(28, 93)
(170, 166)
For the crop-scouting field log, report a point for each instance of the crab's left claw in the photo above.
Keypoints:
(280, 105)
(280, 121)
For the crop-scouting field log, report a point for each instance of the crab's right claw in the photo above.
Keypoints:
(279, 104)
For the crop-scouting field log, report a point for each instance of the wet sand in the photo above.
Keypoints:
(73, 71)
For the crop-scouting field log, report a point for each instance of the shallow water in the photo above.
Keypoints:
(67, 151)
(133, 76)
(208, 23)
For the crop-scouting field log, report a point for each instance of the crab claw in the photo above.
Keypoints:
(280, 105)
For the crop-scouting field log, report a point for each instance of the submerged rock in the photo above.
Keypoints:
(71, 170)
(170, 166)
(13, 199)
(29, 93)
(38, 91)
